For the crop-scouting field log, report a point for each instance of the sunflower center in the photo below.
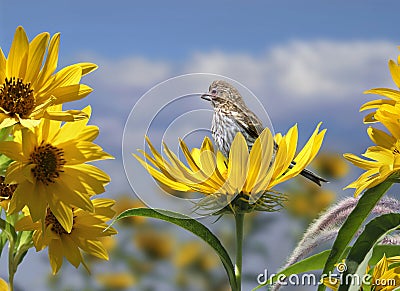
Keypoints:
(16, 97)
(55, 224)
(6, 190)
(49, 162)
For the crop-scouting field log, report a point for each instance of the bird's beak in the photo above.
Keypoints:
(206, 96)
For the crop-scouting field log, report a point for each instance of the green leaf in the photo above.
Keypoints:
(3, 241)
(314, 262)
(4, 163)
(361, 252)
(380, 250)
(23, 248)
(353, 223)
(7, 233)
(24, 237)
(191, 225)
(5, 133)
(8, 229)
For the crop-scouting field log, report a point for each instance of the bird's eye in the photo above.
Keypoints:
(214, 91)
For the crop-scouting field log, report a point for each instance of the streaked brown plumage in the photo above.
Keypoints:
(231, 115)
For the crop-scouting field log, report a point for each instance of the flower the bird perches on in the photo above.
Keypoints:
(246, 179)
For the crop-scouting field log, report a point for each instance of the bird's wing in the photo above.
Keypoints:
(247, 120)
(251, 124)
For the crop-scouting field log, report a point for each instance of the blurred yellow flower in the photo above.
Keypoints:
(3, 285)
(88, 228)
(125, 202)
(187, 253)
(330, 164)
(109, 242)
(309, 203)
(29, 86)
(383, 160)
(157, 245)
(253, 174)
(195, 253)
(117, 281)
(50, 169)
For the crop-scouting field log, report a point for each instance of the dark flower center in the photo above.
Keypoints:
(6, 190)
(16, 97)
(48, 161)
(55, 224)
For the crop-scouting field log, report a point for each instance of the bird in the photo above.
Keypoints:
(231, 116)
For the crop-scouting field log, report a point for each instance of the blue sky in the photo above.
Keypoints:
(307, 61)
(174, 29)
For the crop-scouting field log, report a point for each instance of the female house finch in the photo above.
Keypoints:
(231, 115)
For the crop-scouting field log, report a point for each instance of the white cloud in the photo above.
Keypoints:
(297, 70)
(305, 70)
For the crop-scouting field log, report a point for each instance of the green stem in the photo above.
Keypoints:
(239, 219)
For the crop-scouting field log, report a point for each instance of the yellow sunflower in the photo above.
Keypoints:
(385, 276)
(50, 168)
(392, 95)
(87, 231)
(250, 174)
(382, 160)
(29, 84)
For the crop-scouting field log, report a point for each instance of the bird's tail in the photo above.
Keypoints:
(313, 177)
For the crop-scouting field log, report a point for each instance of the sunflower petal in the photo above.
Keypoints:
(16, 62)
(395, 72)
(68, 115)
(71, 93)
(71, 251)
(37, 49)
(3, 66)
(56, 255)
(50, 64)
(238, 165)
(174, 185)
(87, 68)
(12, 150)
(94, 248)
(62, 212)
(387, 92)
